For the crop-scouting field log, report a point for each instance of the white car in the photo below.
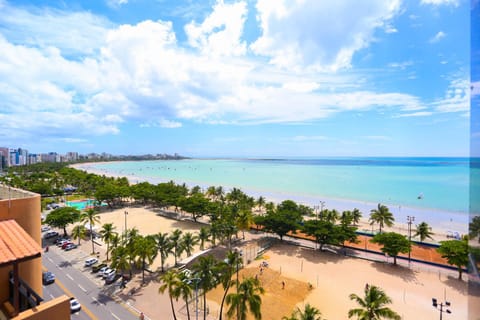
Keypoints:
(102, 270)
(45, 228)
(108, 273)
(90, 262)
(75, 306)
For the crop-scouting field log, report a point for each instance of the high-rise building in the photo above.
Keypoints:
(4, 158)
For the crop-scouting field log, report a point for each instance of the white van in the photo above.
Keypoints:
(90, 262)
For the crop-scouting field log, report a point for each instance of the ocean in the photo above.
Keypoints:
(425, 183)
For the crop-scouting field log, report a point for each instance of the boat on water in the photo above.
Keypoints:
(420, 196)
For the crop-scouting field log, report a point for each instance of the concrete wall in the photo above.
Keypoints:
(58, 308)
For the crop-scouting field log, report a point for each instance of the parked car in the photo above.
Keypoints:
(59, 241)
(65, 244)
(45, 228)
(50, 234)
(90, 262)
(102, 271)
(112, 278)
(70, 246)
(75, 306)
(107, 273)
(97, 267)
(48, 278)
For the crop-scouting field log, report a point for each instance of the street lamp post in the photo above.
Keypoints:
(442, 307)
(410, 220)
(126, 214)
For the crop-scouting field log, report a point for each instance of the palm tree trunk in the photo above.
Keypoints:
(204, 306)
(91, 237)
(223, 301)
(188, 309)
(173, 309)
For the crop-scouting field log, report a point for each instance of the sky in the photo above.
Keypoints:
(252, 78)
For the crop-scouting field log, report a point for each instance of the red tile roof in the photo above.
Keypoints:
(16, 244)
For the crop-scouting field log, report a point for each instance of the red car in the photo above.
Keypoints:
(64, 245)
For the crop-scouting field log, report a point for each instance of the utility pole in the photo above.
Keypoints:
(440, 306)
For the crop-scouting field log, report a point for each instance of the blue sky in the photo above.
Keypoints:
(237, 78)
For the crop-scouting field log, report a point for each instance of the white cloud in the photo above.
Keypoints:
(116, 3)
(437, 37)
(457, 97)
(441, 2)
(401, 65)
(221, 31)
(314, 37)
(71, 32)
(415, 114)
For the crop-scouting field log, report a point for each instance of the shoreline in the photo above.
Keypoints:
(440, 221)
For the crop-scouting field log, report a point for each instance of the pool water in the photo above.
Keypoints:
(82, 204)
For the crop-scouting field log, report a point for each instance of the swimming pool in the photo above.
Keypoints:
(82, 204)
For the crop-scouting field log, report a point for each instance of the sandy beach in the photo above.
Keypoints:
(333, 278)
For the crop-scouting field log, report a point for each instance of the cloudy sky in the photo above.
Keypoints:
(248, 78)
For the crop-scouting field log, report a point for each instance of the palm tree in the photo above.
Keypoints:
(261, 202)
(120, 259)
(373, 305)
(308, 313)
(170, 281)
(203, 236)
(107, 234)
(227, 269)
(188, 242)
(205, 270)
(243, 221)
(90, 216)
(247, 298)
(184, 289)
(146, 251)
(423, 231)
(356, 216)
(382, 216)
(164, 247)
(175, 239)
(79, 232)
(211, 192)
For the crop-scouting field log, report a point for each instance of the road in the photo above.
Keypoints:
(75, 280)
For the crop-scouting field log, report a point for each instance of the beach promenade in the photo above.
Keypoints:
(332, 276)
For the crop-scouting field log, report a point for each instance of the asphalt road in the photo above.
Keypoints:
(75, 280)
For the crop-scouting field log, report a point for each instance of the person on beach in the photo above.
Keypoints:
(283, 284)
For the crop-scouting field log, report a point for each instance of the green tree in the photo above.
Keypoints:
(372, 305)
(91, 217)
(325, 232)
(206, 270)
(175, 238)
(243, 221)
(188, 242)
(145, 250)
(246, 299)
(393, 243)
(260, 203)
(423, 231)
(382, 216)
(107, 233)
(227, 270)
(120, 260)
(184, 289)
(308, 313)
(79, 232)
(284, 219)
(456, 253)
(203, 236)
(169, 282)
(61, 217)
(164, 247)
(474, 228)
(356, 216)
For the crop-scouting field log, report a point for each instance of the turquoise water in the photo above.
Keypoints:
(444, 183)
(81, 204)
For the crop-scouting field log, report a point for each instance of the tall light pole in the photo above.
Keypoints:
(126, 214)
(442, 307)
(410, 220)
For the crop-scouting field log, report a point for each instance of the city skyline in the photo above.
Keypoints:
(237, 78)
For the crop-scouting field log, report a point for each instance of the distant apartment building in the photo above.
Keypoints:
(4, 158)
(21, 292)
(18, 157)
(49, 157)
(71, 156)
